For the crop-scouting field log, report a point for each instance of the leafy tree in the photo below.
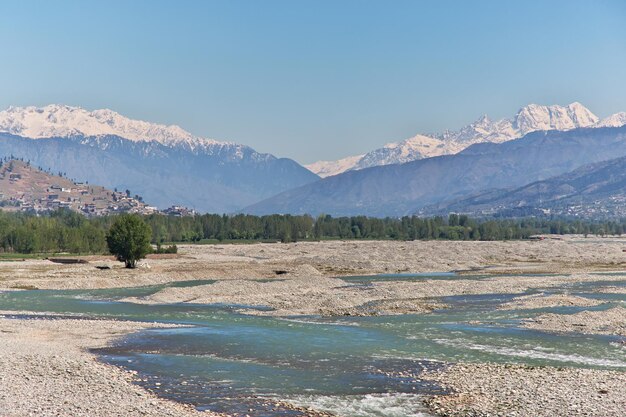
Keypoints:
(129, 239)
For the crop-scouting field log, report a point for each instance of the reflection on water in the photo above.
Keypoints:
(353, 366)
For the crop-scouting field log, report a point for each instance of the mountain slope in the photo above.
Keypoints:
(528, 119)
(586, 191)
(394, 190)
(57, 120)
(164, 164)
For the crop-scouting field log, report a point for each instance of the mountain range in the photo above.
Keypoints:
(528, 119)
(165, 164)
(485, 163)
(400, 189)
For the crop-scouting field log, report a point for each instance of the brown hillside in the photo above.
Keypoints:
(26, 188)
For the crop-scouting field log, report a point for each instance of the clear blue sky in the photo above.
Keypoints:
(313, 79)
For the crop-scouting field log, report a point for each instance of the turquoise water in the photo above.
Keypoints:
(233, 362)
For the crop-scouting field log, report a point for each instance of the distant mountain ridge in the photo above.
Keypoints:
(528, 119)
(165, 164)
(56, 120)
(396, 190)
(592, 191)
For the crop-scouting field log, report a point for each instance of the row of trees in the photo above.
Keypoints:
(61, 231)
(66, 231)
(289, 228)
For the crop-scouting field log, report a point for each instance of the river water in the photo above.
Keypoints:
(230, 361)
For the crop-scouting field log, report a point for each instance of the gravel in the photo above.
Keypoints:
(611, 322)
(514, 390)
(45, 370)
(542, 301)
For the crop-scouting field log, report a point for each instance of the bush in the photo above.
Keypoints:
(166, 249)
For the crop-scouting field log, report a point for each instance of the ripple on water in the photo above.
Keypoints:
(535, 353)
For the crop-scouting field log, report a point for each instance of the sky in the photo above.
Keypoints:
(318, 79)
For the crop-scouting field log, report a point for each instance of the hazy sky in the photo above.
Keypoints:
(313, 79)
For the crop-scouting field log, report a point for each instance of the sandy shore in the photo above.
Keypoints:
(45, 370)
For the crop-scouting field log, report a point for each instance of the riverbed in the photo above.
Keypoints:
(227, 360)
(324, 329)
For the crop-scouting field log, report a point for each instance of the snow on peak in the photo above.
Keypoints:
(614, 120)
(330, 168)
(57, 120)
(528, 119)
(417, 147)
(535, 117)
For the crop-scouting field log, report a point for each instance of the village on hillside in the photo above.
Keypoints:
(24, 188)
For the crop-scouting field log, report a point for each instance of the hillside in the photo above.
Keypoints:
(396, 190)
(26, 188)
(594, 191)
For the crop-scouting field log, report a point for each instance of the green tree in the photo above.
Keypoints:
(129, 239)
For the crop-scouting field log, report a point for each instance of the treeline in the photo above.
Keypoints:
(67, 231)
(287, 228)
(61, 231)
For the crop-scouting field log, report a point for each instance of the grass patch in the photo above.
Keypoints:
(14, 256)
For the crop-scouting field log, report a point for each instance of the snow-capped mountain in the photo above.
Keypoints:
(57, 120)
(534, 117)
(615, 120)
(419, 146)
(528, 119)
(63, 121)
(165, 164)
(330, 168)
